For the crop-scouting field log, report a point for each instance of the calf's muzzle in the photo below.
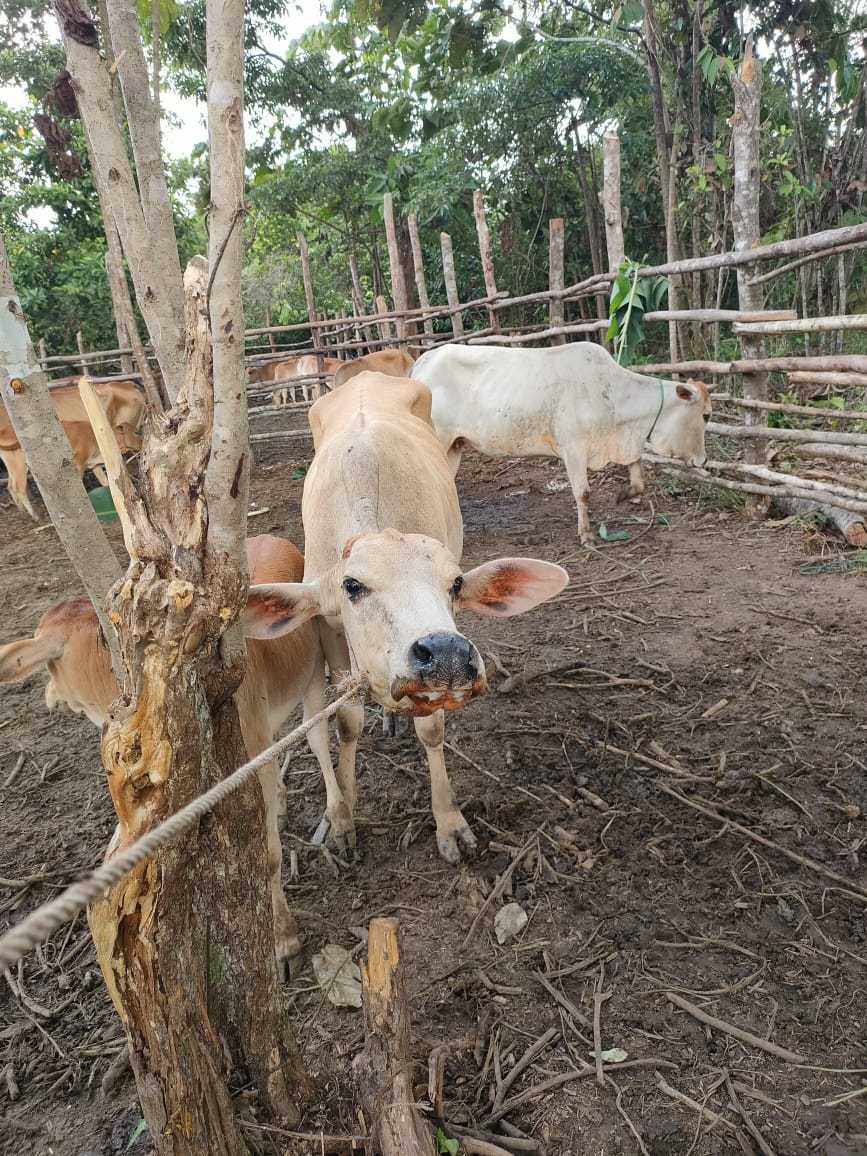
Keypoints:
(445, 672)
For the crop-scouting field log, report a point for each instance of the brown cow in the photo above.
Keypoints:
(280, 674)
(391, 362)
(124, 405)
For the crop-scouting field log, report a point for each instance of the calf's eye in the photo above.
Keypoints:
(706, 417)
(457, 586)
(354, 589)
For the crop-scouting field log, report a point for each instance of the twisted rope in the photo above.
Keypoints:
(39, 924)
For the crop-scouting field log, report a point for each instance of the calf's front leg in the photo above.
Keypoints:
(635, 488)
(452, 827)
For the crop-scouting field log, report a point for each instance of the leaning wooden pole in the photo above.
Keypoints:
(24, 389)
(484, 235)
(398, 285)
(556, 275)
(451, 284)
(747, 87)
(383, 1070)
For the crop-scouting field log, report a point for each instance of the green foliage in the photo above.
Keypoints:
(445, 1146)
(631, 297)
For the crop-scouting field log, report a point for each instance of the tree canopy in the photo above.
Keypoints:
(431, 100)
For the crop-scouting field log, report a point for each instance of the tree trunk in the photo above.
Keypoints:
(398, 285)
(197, 993)
(24, 389)
(143, 118)
(611, 200)
(153, 265)
(591, 215)
(127, 322)
(484, 236)
(307, 277)
(747, 87)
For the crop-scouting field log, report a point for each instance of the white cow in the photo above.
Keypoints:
(572, 402)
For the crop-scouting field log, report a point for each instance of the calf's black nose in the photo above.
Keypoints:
(444, 659)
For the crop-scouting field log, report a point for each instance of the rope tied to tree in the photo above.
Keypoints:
(39, 924)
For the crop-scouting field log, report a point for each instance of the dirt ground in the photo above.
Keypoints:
(694, 665)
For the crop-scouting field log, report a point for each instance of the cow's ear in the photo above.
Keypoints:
(510, 586)
(276, 608)
(686, 391)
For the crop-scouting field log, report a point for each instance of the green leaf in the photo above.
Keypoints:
(102, 502)
(298, 473)
(140, 1128)
(612, 535)
(445, 1146)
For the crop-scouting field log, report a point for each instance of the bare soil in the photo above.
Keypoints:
(698, 645)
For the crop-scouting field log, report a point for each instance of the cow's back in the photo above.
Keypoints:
(378, 464)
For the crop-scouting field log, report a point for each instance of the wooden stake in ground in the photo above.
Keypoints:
(398, 285)
(451, 283)
(556, 274)
(484, 236)
(746, 83)
(24, 389)
(383, 1070)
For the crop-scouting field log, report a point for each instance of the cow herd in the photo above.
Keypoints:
(381, 581)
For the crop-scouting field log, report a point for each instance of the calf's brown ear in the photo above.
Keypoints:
(510, 586)
(276, 608)
(20, 659)
(685, 391)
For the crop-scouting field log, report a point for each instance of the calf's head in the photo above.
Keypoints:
(679, 429)
(395, 596)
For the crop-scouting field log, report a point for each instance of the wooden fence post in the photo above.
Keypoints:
(747, 86)
(451, 284)
(24, 390)
(418, 265)
(368, 331)
(556, 275)
(398, 285)
(611, 200)
(484, 236)
(43, 353)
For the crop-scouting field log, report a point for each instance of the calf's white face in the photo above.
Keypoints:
(679, 432)
(395, 596)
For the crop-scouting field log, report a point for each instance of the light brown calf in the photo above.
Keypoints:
(384, 537)
(124, 405)
(280, 675)
(391, 362)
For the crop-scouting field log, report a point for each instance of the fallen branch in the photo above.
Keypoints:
(735, 1032)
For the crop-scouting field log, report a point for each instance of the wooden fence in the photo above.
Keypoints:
(486, 320)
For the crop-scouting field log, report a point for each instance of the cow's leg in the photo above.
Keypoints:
(576, 469)
(286, 938)
(452, 827)
(636, 483)
(16, 470)
(337, 822)
(350, 718)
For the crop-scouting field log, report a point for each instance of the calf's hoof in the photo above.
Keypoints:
(451, 842)
(337, 828)
(287, 943)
